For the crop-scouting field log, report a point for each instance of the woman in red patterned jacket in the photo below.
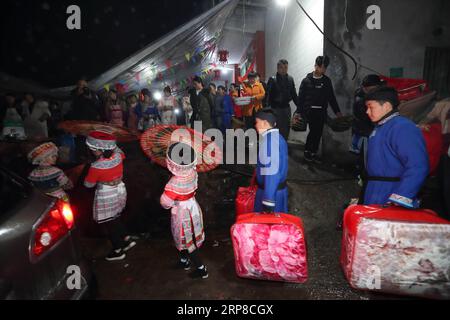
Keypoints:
(111, 195)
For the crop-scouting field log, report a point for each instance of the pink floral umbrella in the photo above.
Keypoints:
(155, 142)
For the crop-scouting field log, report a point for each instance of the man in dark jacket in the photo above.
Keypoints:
(85, 105)
(362, 125)
(315, 94)
(202, 104)
(280, 92)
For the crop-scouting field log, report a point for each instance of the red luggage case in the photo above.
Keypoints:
(270, 247)
(408, 89)
(396, 250)
(434, 142)
(245, 200)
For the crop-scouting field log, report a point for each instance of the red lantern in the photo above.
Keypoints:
(223, 56)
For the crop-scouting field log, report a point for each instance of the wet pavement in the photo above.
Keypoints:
(149, 271)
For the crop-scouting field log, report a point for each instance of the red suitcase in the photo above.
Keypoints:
(434, 142)
(408, 89)
(396, 250)
(270, 247)
(245, 198)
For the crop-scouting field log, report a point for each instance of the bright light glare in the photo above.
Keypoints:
(282, 3)
(157, 96)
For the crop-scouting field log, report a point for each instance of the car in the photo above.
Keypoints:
(40, 253)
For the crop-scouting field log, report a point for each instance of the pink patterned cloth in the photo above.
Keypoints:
(274, 252)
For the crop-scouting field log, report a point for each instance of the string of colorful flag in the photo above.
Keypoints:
(153, 76)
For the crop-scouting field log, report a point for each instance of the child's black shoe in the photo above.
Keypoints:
(184, 264)
(199, 273)
(115, 255)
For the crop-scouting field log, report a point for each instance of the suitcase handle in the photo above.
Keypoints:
(270, 214)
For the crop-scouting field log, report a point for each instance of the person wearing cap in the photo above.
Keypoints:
(186, 215)
(315, 94)
(272, 165)
(46, 176)
(362, 126)
(106, 175)
(397, 159)
(255, 90)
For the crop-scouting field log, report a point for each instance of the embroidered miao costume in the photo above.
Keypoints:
(46, 177)
(110, 195)
(179, 196)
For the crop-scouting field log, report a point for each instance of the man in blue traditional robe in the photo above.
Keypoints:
(272, 166)
(397, 159)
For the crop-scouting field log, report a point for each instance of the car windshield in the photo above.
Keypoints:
(12, 190)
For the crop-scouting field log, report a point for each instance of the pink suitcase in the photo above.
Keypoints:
(396, 250)
(270, 247)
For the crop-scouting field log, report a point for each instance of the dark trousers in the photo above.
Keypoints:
(194, 257)
(249, 121)
(444, 177)
(284, 116)
(116, 233)
(316, 120)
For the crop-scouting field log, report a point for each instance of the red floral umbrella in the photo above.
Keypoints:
(155, 142)
(83, 128)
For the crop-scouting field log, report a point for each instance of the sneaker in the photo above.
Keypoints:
(132, 238)
(308, 156)
(129, 245)
(116, 255)
(199, 273)
(186, 264)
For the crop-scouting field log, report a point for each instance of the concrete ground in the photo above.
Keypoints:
(149, 270)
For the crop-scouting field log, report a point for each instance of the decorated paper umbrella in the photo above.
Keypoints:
(83, 128)
(155, 142)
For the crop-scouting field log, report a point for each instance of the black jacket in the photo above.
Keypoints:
(202, 105)
(316, 92)
(362, 124)
(280, 91)
(84, 108)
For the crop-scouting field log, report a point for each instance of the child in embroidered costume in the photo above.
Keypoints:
(110, 195)
(179, 196)
(46, 177)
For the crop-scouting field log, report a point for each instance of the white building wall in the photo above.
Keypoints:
(298, 41)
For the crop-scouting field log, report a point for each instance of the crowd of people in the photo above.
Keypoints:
(393, 156)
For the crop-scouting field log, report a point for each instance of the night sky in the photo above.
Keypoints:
(36, 44)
